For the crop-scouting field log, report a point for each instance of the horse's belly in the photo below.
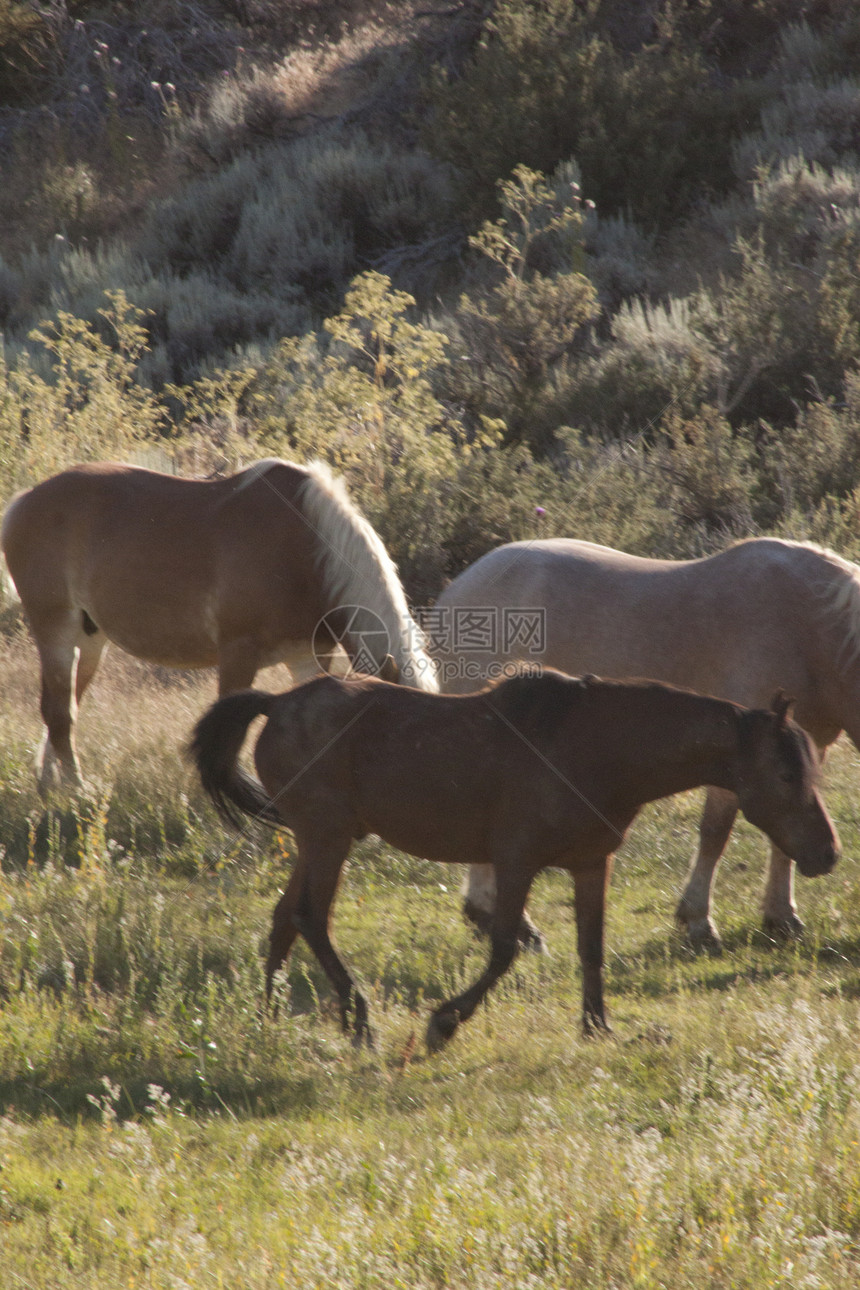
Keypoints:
(169, 646)
(436, 834)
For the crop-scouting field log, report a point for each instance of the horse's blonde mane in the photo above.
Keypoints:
(842, 601)
(838, 594)
(357, 570)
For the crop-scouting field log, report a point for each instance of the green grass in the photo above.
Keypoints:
(158, 1129)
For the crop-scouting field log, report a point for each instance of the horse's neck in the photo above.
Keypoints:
(696, 744)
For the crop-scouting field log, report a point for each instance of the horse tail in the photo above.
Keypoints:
(214, 749)
(8, 591)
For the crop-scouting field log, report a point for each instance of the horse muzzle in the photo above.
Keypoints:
(818, 860)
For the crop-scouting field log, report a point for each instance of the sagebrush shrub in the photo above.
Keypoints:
(653, 361)
(300, 218)
(544, 83)
(816, 457)
(820, 123)
(708, 470)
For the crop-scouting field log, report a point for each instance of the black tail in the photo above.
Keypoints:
(214, 748)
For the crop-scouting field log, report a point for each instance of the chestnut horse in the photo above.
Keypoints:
(273, 564)
(536, 771)
(762, 615)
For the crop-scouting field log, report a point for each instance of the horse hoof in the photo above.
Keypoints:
(530, 938)
(62, 789)
(440, 1030)
(706, 943)
(594, 1027)
(700, 934)
(786, 928)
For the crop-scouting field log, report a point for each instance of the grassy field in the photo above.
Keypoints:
(158, 1130)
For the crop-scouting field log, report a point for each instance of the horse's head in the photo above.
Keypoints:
(778, 788)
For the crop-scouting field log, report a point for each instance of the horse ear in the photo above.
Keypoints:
(781, 706)
(388, 670)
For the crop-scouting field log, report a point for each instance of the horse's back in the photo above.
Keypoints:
(723, 624)
(456, 777)
(44, 526)
(122, 503)
(96, 521)
(165, 566)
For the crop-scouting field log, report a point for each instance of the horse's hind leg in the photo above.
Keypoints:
(284, 929)
(69, 655)
(90, 650)
(307, 903)
(59, 648)
(780, 912)
(694, 907)
(479, 903)
(513, 883)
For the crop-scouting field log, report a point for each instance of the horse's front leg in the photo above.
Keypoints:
(694, 908)
(513, 882)
(590, 886)
(781, 918)
(238, 664)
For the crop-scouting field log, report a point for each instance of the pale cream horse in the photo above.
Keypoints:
(761, 616)
(273, 564)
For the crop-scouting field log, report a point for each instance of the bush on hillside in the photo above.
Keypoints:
(88, 407)
(653, 361)
(362, 396)
(649, 131)
(816, 457)
(255, 252)
(512, 332)
(28, 40)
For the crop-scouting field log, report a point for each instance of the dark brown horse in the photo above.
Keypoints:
(271, 565)
(534, 772)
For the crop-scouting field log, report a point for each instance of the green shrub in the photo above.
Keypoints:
(709, 472)
(28, 35)
(647, 129)
(361, 396)
(782, 317)
(513, 335)
(654, 360)
(620, 259)
(78, 398)
(816, 457)
(88, 407)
